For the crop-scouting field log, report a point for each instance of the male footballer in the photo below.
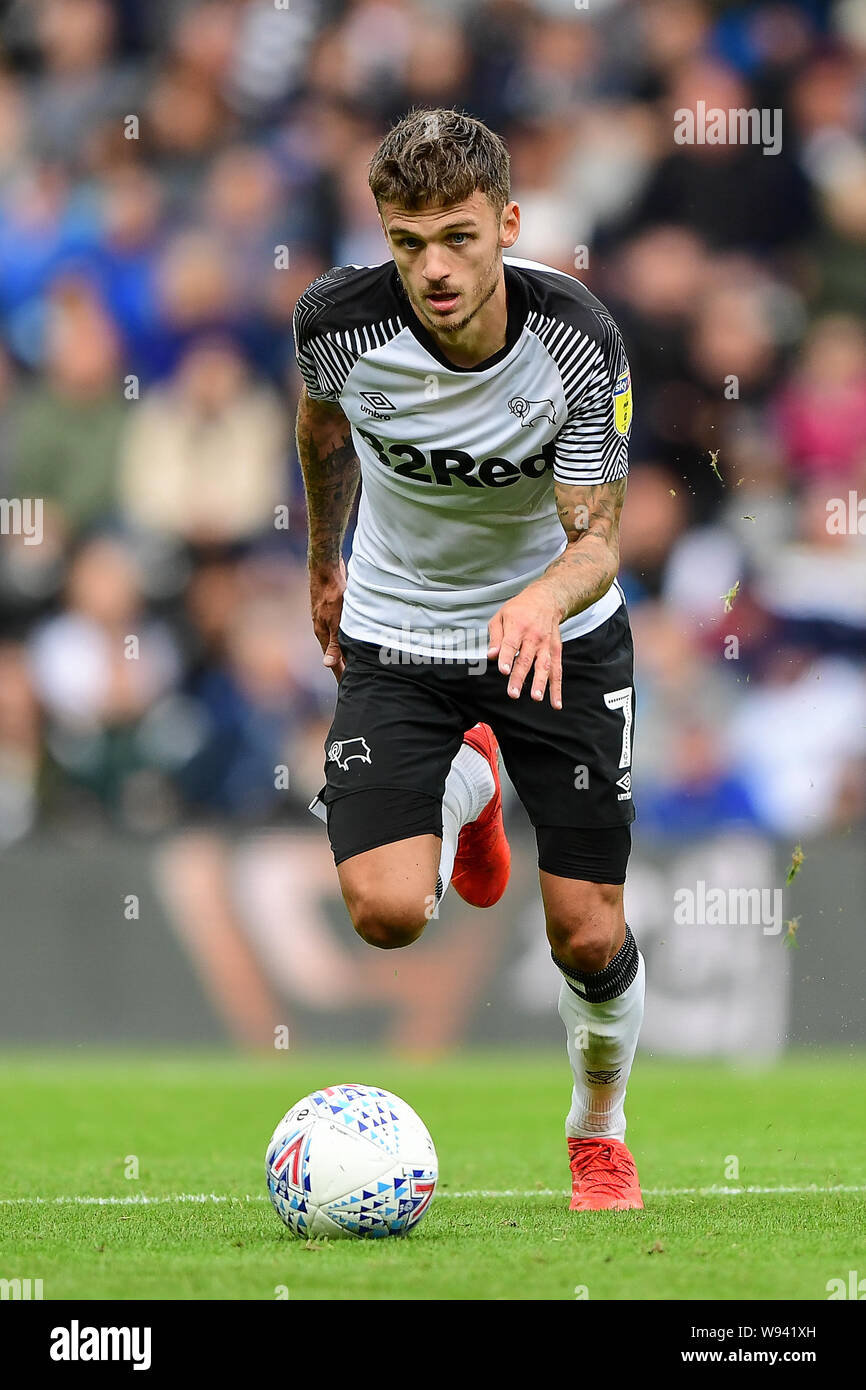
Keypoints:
(484, 404)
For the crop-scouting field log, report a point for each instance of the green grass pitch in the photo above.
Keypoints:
(199, 1125)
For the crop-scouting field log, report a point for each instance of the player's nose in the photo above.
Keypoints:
(435, 270)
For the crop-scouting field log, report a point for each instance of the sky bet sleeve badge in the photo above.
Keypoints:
(622, 402)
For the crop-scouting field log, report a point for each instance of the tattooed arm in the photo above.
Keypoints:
(587, 567)
(583, 573)
(331, 473)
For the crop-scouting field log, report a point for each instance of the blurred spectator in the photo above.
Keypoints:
(816, 582)
(363, 57)
(363, 241)
(40, 235)
(124, 263)
(731, 193)
(68, 425)
(551, 226)
(732, 333)
(20, 746)
(98, 666)
(672, 33)
(698, 792)
(255, 694)
(799, 743)
(13, 125)
(558, 70)
(839, 247)
(203, 457)
(196, 296)
(437, 63)
(655, 516)
(241, 204)
(80, 85)
(270, 53)
(821, 412)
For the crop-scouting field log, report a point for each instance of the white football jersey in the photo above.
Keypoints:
(457, 511)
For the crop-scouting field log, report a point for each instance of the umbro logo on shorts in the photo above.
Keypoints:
(343, 752)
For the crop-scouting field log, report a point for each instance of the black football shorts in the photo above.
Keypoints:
(398, 726)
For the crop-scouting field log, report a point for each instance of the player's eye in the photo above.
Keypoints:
(459, 237)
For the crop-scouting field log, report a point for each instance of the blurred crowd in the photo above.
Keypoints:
(172, 175)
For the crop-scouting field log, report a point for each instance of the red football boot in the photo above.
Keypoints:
(483, 860)
(603, 1176)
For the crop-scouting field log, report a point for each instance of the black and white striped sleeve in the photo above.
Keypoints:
(323, 361)
(592, 446)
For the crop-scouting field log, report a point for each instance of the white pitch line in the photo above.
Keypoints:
(203, 1198)
(714, 1191)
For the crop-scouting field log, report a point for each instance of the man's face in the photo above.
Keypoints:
(449, 257)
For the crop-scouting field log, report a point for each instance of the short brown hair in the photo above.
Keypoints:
(439, 156)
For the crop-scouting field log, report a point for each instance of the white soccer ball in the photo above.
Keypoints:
(351, 1161)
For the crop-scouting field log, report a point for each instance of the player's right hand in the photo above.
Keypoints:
(524, 633)
(327, 586)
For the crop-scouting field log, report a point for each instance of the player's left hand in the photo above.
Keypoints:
(524, 633)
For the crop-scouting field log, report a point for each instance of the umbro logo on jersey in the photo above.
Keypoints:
(625, 783)
(528, 412)
(377, 402)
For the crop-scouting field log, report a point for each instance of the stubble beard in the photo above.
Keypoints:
(490, 286)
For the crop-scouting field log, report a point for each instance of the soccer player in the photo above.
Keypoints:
(484, 403)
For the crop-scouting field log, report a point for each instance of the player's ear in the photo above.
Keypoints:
(509, 225)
